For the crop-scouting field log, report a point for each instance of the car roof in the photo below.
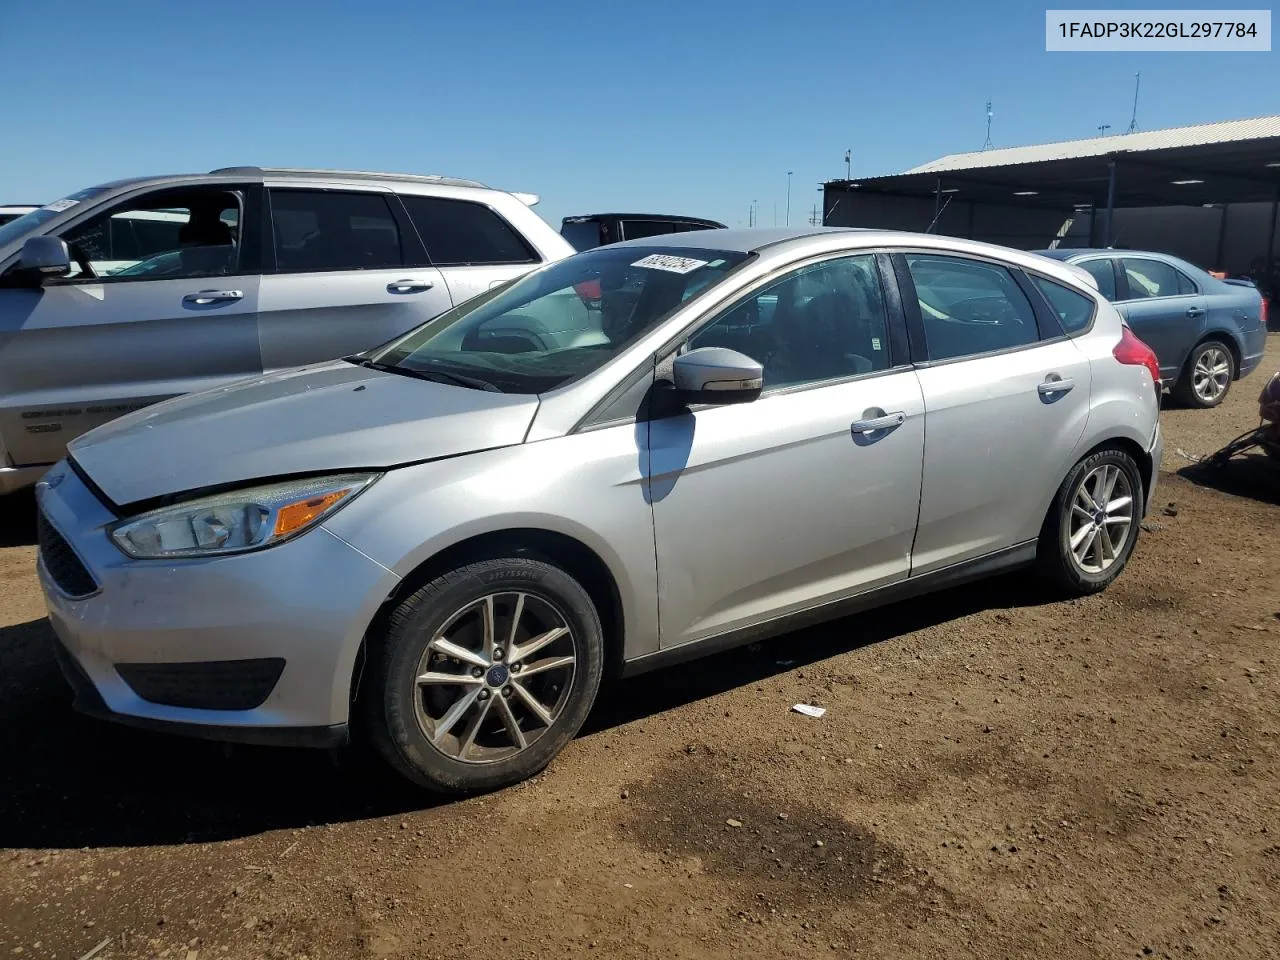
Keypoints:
(739, 239)
(584, 217)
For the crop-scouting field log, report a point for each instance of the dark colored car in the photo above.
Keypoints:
(1206, 332)
(598, 229)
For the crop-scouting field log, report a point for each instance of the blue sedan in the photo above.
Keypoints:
(1205, 332)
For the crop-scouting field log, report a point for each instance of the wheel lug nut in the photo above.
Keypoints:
(516, 667)
(497, 653)
(506, 691)
(484, 694)
(477, 672)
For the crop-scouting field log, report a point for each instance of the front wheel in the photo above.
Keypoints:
(483, 675)
(1208, 375)
(1092, 525)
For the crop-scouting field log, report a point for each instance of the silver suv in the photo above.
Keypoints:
(135, 291)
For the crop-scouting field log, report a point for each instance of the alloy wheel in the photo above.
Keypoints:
(495, 677)
(1103, 512)
(1211, 374)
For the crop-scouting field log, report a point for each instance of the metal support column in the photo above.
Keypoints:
(1271, 234)
(1109, 236)
(937, 202)
(1222, 237)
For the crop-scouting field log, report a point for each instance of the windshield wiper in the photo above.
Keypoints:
(435, 376)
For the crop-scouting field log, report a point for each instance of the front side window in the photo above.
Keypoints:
(558, 324)
(1074, 309)
(320, 231)
(825, 321)
(168, 235)
(458, 233)
(1153, 278)
(970, 307)
(1105, 274)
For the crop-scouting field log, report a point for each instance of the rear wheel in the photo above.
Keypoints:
(1092, 526)
(1208, 375)
(483, 675)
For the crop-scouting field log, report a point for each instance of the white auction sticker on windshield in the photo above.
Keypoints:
(664, 261)
(59, 205)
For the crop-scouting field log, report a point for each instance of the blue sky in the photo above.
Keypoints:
(697, 107)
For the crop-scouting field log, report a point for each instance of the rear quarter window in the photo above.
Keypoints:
(1073, 309)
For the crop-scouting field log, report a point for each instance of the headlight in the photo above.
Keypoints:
(238, 521)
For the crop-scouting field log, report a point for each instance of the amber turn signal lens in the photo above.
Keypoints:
(298, 515)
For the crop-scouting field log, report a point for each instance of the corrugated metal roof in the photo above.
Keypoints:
(1256, 128)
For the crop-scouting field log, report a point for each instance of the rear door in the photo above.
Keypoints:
(345, 272)
(1164, 307)
(163, 301)
(1006, 396)
(471, 243)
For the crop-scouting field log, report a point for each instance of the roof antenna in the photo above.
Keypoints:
(987, 145)
(1137, 83)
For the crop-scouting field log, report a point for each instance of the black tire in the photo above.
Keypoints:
(1184, 390)
(1057, 562)
(391, 699)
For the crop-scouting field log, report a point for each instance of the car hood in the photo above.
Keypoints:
(326, 417)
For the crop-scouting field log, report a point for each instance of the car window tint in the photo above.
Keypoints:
(969, 307)
(634, 229)
(1150, 278)
(166, 235)
(1105, 274)
(1074, 309)
(821, 322)
(1185, 286)
(323, 230)
(458, 233)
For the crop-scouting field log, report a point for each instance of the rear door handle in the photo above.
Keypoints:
(1195, 311)
(1054, 384)
(886, 422)
(409, 286)
(202, 298)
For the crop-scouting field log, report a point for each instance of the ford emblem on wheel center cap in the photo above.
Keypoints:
(497, 675)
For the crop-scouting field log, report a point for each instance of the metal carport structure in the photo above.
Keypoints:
(1027, 196)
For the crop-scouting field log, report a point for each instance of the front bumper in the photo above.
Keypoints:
(307, 603)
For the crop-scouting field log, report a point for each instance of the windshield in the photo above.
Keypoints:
(558, 324)
(28, 222)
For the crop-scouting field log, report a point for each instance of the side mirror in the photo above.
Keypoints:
(44, 258)
(717, 375)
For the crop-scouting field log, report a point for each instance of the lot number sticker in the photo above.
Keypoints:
(59, 205)
(663, 261)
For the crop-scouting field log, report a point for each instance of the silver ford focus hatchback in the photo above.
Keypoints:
(630, 457)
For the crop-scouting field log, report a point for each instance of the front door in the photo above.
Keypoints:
(348, 274)
(1005, 405)
(810, 493)
(162, 301)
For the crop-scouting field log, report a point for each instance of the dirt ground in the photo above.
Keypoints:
(997, 775)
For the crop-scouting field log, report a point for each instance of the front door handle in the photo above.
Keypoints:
(202, 298)
(1053, 384)
(409, 286)
(1195, 311)
(886, 422)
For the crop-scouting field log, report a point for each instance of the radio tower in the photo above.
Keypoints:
(987, 145)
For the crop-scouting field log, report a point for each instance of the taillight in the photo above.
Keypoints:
(1131, 350)
(1262, 313)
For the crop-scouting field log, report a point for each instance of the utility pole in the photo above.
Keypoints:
(987, 145)
(789, 172)
(848, 164)
(1103, 128)
(1137, 84)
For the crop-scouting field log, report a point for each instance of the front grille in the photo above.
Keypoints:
(206, 685)
(65, 568)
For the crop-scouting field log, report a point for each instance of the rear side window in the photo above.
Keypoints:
(1074, 310)
(1153, 278)
(969, 307)
(1105, 274)
(635, 229)
(458, 233)
(318, 231)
